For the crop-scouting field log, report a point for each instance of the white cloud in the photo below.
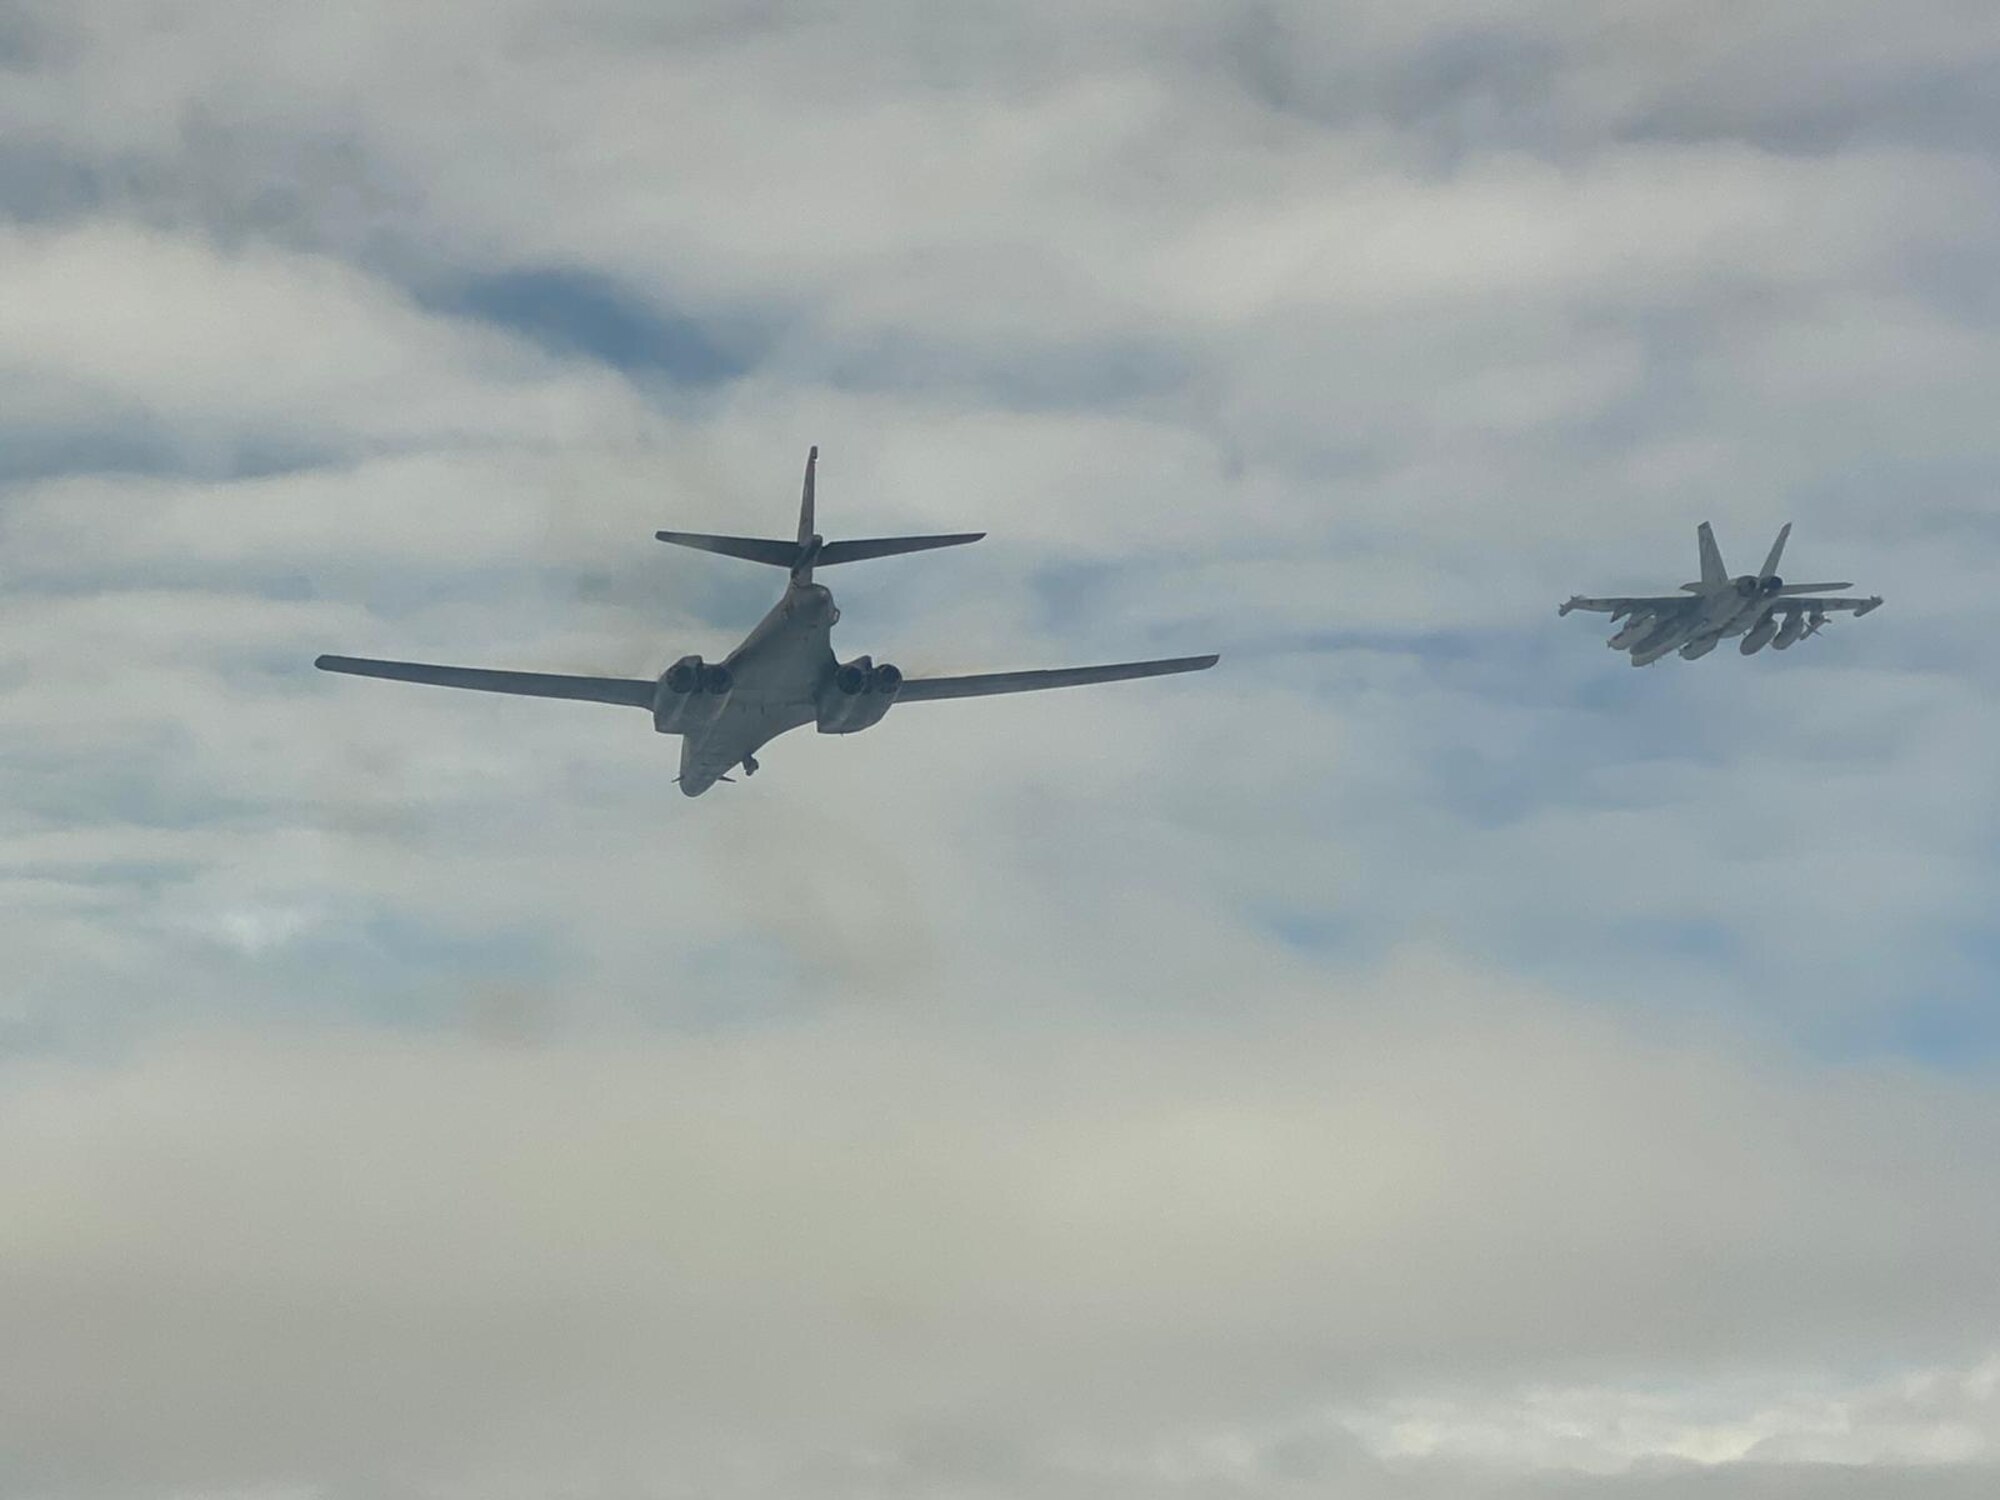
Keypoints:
(723, 1258)
(1922, 1418)
(232, 347)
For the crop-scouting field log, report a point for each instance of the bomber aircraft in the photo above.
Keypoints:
(782, 677)
(1760, 607)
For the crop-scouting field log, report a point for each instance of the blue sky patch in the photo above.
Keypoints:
(581, 314)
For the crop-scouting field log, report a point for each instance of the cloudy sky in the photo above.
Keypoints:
(1423, 1058)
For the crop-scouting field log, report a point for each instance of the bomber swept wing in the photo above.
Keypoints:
(632, 691)
(924, 689)
(639, 692)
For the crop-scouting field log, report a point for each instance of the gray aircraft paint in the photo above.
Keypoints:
(1761, 607)
(1637, 629)
(784, 675)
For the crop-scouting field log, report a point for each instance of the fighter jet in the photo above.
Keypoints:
(1762, 608)
(782, 677)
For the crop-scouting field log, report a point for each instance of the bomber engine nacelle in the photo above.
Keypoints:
(690, 694)
(857, 695)
(1760, 634)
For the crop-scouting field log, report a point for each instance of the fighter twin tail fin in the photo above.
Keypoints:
(1713, 573)
(811, 550)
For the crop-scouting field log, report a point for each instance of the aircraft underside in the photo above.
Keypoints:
(779, 677)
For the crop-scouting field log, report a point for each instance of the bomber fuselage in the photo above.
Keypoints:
(777, 678)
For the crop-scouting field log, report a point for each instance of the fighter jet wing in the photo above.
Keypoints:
(1658, 604)
(1808, 606)
(637, 693)
(923, 689)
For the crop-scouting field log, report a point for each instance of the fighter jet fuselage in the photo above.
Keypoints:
(1760, 607)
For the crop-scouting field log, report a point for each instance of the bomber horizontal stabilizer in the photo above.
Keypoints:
(813, 552)
(888, 546)
(756, 549)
